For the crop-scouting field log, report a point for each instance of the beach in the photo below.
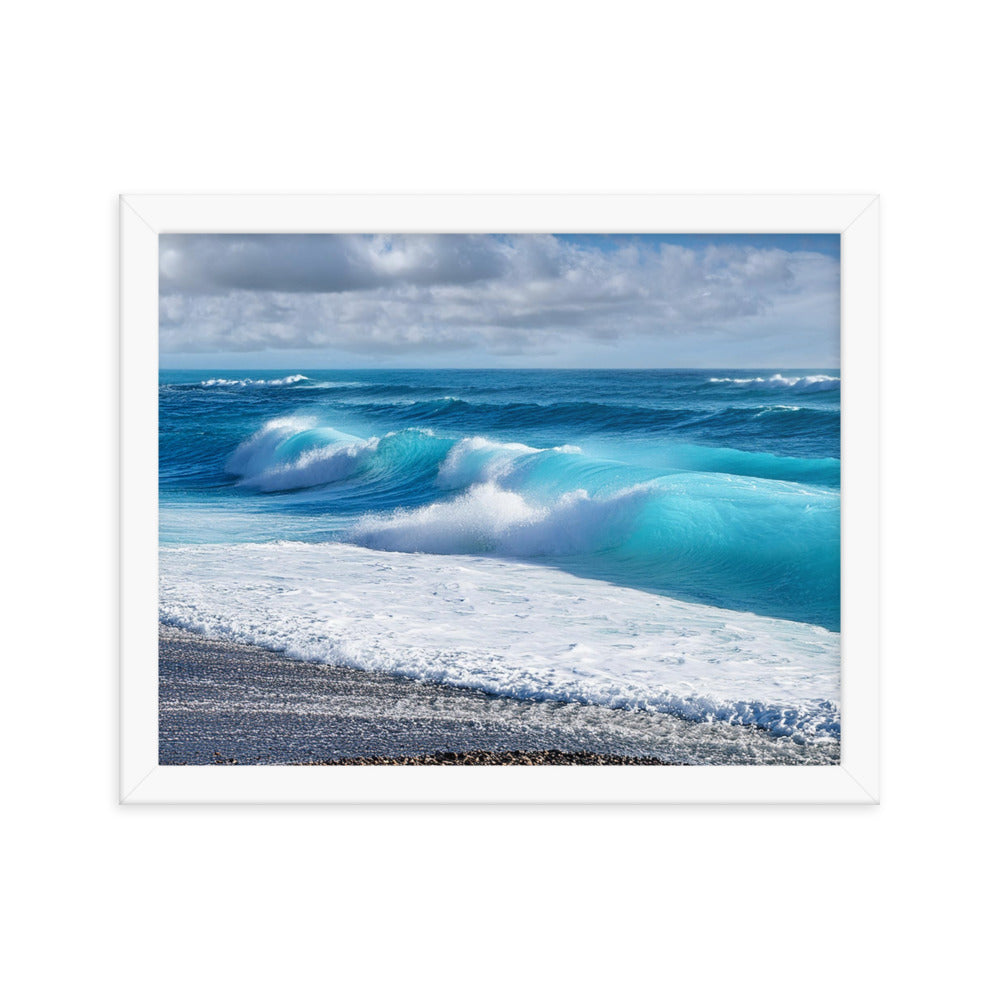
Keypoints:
(224, 702)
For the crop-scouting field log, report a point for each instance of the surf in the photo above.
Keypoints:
(510, 628)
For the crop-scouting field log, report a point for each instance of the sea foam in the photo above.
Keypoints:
(510, 628)
(487, 518)
(799, 383)
(240, 383)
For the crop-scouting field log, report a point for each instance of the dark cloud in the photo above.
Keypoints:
(320, 263)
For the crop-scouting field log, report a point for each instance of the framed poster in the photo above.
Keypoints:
(576, 496)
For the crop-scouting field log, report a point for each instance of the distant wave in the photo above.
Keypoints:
(336, 385)
(799, 383)
(583, 417)
(240, 383)
(780, 408)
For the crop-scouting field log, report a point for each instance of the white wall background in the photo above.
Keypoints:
(193, 96)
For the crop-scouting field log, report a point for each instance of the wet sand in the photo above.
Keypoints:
(223, 702)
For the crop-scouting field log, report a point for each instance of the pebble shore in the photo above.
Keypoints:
(224, 702)
(500, 757)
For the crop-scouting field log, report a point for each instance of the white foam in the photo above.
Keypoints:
(243, 382)
(488, 518)
(509, 628)
(801, 383)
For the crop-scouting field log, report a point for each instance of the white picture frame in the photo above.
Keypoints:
(143, 217)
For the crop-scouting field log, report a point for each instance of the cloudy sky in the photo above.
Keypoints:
(425, 301)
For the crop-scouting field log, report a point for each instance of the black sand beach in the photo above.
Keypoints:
(231, 703)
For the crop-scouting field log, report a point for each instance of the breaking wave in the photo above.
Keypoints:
(678, 528)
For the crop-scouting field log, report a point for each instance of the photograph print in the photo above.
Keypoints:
(502, 499)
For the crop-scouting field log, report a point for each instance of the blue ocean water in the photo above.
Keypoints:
(720, 488)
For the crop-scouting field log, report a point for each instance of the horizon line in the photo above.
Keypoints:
(540, 368)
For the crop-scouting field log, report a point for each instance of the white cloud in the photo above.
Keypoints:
(493, 295)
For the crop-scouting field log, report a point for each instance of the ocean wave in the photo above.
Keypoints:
(798, 383)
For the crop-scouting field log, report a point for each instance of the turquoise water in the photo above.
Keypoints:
(715, 487)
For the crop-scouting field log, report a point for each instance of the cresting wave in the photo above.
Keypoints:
(510, 628)
(294, 453)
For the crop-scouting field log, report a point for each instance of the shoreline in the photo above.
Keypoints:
(234, 703)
